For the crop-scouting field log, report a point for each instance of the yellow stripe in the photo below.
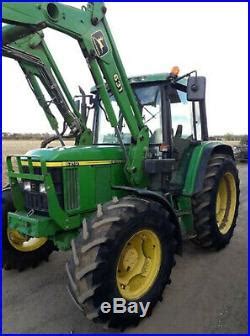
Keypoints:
(73, 163)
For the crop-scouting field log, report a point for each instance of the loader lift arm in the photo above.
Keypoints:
(38, 65)
(90, 28)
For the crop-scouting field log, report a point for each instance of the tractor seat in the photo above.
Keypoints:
(156, 137)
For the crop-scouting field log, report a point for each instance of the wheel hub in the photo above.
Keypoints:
(130, 259)
(138, 264)
(24, 243)
(226, 202)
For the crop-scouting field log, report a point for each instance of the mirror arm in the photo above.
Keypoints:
(203, 116)
(177, 79)
(180, 87)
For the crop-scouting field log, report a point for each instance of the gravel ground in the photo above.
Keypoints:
(208, 293)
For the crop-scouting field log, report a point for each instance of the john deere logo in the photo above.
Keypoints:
(100, 44)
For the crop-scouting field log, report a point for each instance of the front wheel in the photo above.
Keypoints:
(215, 208)
(19, 251)
(126, 251)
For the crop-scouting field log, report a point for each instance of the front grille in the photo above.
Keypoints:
(71, 188)
(34, 200)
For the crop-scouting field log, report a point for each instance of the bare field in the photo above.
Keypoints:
(18, 147)
(23, 146)
(208, 293)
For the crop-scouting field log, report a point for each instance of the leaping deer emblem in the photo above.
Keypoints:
(100, 42)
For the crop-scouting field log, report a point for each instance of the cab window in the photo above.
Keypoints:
(185, 117)
(149, 100)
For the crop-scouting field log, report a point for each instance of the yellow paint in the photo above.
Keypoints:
(138, 265)
(24, 244)
(226, 202)
(72, 163)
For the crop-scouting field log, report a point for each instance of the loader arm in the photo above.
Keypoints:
(90, 28)
(38, 65)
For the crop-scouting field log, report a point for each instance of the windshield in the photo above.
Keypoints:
(149, 100)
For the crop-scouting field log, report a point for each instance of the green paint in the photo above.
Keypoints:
(194, 165)
(102, 184)
(33, 225)
(187, 173)
(135, 163)
(63, 240)
(106, 69)
(78, 153)
(185, 214)
(88, 186)
(88, 171)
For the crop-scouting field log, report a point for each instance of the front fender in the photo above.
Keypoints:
(164, 202)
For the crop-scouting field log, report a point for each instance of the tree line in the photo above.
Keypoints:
(243, 139)
(24, 136)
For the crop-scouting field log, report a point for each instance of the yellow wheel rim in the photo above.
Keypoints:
(24, 243)
(138, 265)
(226, 202)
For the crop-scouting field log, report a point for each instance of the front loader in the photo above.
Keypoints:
(141, 176)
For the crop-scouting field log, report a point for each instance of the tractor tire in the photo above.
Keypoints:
(16, 253)
(215, 208)
(123, 235)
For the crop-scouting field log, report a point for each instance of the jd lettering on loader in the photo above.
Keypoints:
(141, 177)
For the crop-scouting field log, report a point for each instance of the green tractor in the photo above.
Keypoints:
(141, 177)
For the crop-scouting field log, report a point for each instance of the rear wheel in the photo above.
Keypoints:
(19, 251)
(215, 208)
(126, 251)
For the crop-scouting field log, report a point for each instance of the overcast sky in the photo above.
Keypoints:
(151, 38)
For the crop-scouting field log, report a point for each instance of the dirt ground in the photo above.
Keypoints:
(208, 293)
(11, 147)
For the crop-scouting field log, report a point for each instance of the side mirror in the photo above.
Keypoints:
(196, 88)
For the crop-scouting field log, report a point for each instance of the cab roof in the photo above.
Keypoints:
(144, 79)
(149, 78)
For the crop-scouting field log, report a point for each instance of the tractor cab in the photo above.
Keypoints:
(165, 109)
(174, 114)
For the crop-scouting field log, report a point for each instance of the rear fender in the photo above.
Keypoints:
(198, 165)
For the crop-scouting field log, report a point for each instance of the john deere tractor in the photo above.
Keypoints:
(141, 176)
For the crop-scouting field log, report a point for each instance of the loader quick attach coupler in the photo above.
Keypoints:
(46, 220)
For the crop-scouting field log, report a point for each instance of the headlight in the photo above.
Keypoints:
(27, 186)
(42, 188)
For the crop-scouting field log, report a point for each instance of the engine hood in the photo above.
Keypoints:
(76, 153)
